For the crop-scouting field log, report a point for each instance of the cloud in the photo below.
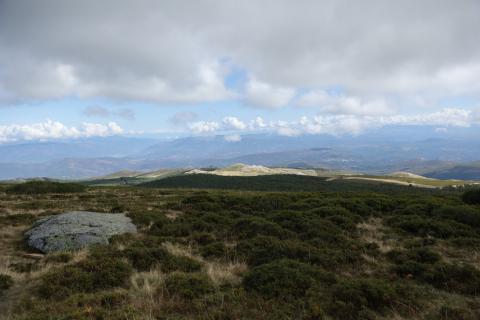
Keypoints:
(204, 127)
(233, 123)
(56, 130)
(265, 95)
(257, 123)
(341, 124)
(170, 51)
(183, 118)
(98, 111)
(233, 138)
(343, 104)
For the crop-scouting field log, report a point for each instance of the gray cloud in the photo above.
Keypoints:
(183, 118)
(98, 111)
(176, 51)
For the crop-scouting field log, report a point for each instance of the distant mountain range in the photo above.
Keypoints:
(415, 150)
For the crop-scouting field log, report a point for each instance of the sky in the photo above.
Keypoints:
(88, 68)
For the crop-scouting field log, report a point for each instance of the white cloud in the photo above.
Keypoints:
(446, 117)
(233, 123)
(343, 123)
(257, 123)
(56, 130)
(289, 132)
(265, 95)
(343, 104)
(233, 138)
(182, 53)
(314, 98)
(204, 126)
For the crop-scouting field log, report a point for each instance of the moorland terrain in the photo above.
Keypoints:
(338, 249)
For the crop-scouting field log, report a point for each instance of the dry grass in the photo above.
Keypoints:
(172, 214)
(226, 273)
(373, 231)
(145, 291)
(220, 272)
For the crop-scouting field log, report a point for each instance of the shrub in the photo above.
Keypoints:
(264, 249)
(356, 299)
(425, 265)
(5, 282)
(455, 313)
(467, 242)
(112, 305)
(24, 267)
(144, 258)
(62, 257)
(424, 226)
(285, 279)
(90, 275)
(203, 238)
(462, 214)
(18, 219)
(216, 249)
(40, 187)
(414, 262)
(188, 285)
(471, 197)
(147, 218)
(463, 279)
(250, 227)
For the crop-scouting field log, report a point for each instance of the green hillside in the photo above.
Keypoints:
(273, 183)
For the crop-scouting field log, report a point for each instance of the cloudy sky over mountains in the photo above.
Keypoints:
(96, 68)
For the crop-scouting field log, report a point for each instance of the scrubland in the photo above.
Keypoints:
(215, 254)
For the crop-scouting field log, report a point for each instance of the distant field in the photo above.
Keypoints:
(418, 181)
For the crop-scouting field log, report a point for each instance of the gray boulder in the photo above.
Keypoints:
(76, 230)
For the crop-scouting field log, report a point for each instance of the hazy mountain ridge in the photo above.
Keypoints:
(446, 157)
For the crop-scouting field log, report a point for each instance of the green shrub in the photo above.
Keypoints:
(455, 313)
(424, 226)
(465, 242)
(462, 214)
(471, 197)
(62, 257)
(263, 249)
(90, 275)
(246, 228)
(24, 267)
(18, 219)
(40, 187)
(285, 279)
(5, 282)
(356, 299)
(144, 258)
(203, 238)
(188, 285)
(215, 250)
(147, 218)
(463, 279)
(425, 265)
(112, 305)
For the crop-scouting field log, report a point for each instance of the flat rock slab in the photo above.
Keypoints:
(76, 230)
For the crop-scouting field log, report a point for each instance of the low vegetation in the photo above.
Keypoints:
(43, 187)
(391, 252)
(282, 182)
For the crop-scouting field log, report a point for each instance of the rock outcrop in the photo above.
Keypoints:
(76, 230)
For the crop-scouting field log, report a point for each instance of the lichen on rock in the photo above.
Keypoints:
(76, 230)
